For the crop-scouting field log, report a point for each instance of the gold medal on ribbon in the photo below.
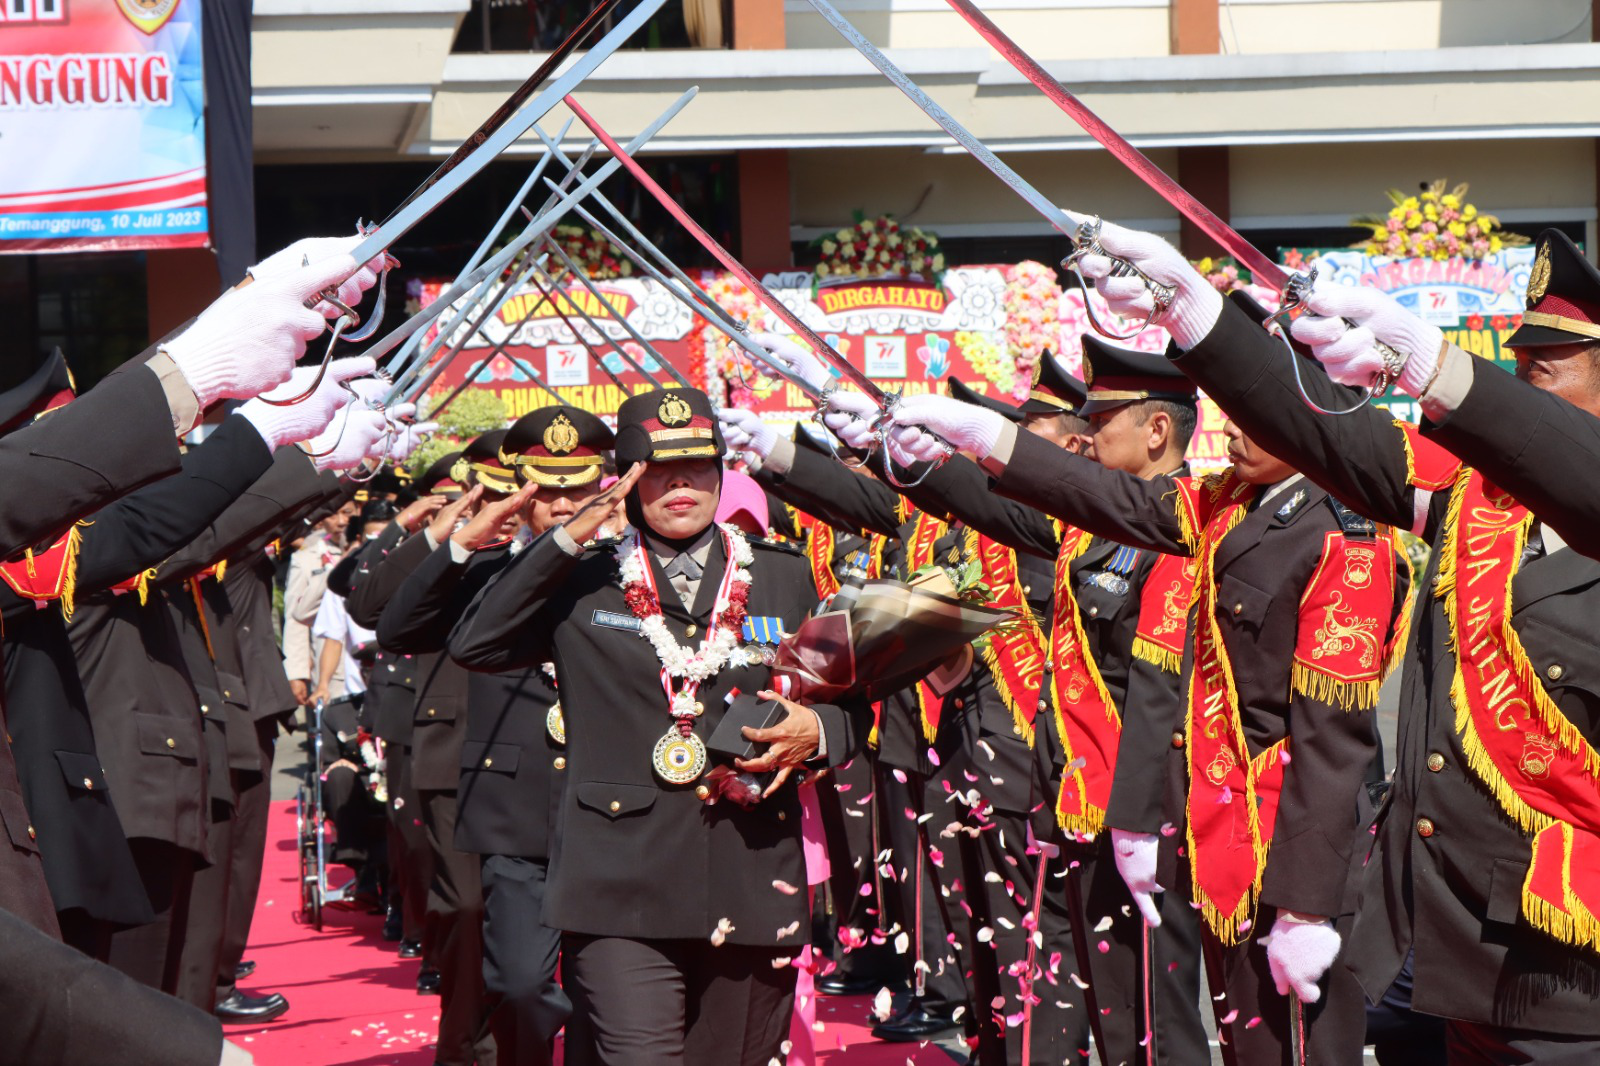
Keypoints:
(679, 759)
(554, 724)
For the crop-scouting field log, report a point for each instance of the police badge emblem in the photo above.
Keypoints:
(560, 436)
(674, 411)
(555, 724)
(461, 472)
(679, 758)
(1539, 278)
(148, 15)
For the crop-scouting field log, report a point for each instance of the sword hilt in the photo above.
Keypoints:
(1296, 293)
(1086, 242)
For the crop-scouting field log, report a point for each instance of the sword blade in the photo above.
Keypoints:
(554, 288)
(599, 360)
(421, 205)
(547, 219)
(691, 295)
(732, 265)
(510, 104)
(1063, 221)
(1264, 269)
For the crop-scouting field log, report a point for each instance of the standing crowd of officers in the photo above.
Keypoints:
(1158, 792)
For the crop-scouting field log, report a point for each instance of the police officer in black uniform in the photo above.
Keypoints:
(676, 914)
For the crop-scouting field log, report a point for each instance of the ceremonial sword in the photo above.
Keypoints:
(638, 338)
(550, 298)
(885, 401)
(551, 216)
(1294, 287)
(441, 186)
(692, 296)
(592, 324)
(483, 245)
(477, 297)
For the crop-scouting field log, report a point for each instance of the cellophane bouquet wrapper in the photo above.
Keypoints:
(893, 635)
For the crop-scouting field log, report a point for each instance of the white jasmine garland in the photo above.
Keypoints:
(719, 644)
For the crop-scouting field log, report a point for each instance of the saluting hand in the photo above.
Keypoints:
(444, 523)
(582, 526)
(789, 743)
(490, 517)
(419, 511)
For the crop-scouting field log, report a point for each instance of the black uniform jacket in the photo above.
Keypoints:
(62, 1006)
(1107, 581)
(439, 710)
(1510, 430)
(634, 857)
(145, 713)
(512, 770)
(64, 769)
(1262, 568)
(1453, 897)
(55, 471)
(392, 682)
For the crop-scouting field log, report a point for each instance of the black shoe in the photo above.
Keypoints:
(411, 949)
(244, 969)
(837, 984)
(914, 1026)
(240, 1009)
(428, 982)
(393, 926)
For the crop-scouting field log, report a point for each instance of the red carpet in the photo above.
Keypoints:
(353, 1003)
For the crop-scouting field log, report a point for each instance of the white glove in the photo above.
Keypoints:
(802, 363)
(1196, 304)
(250, 338)
(1136, 862)
(408, 439)
(745, 432)
(1348, 353)
(353, 437)
(965, 426)
(314, 250)
(850, 416)
(285, 425)
(1299, 953)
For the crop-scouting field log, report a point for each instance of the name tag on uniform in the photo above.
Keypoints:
(613, 620)
(763, 630)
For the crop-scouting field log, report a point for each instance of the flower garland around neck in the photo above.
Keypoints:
(680, 756)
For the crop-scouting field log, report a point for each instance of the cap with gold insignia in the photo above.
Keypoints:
(665, 426)
(1054, 391)
(48, 387)
(960, 390)
(442, 478)
(1118, 376)
(557, 447)
(484, 465)
(1563, 298)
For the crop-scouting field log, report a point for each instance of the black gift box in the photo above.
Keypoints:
(728, 740)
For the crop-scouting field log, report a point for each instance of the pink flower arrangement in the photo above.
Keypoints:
(724, 359)
(1031, 301)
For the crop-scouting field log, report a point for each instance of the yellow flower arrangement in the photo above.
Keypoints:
(1435, 225)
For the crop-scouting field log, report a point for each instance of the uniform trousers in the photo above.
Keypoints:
(526, 1003)
(201, 959)
(1475, 1044)
(1335, 1026)
(454, 930)
(676, 1002)
(410, 859)
(251, 806)
(853, 830)
(152, 954)
(1060, 1023)
(1117, 972)
(944, 987)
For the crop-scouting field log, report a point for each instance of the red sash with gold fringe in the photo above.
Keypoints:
(819, 550)
(47, 575)
(1164, 612)
(1015, 654)
(1087, 720)
(1540, 768)
(925, 533)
